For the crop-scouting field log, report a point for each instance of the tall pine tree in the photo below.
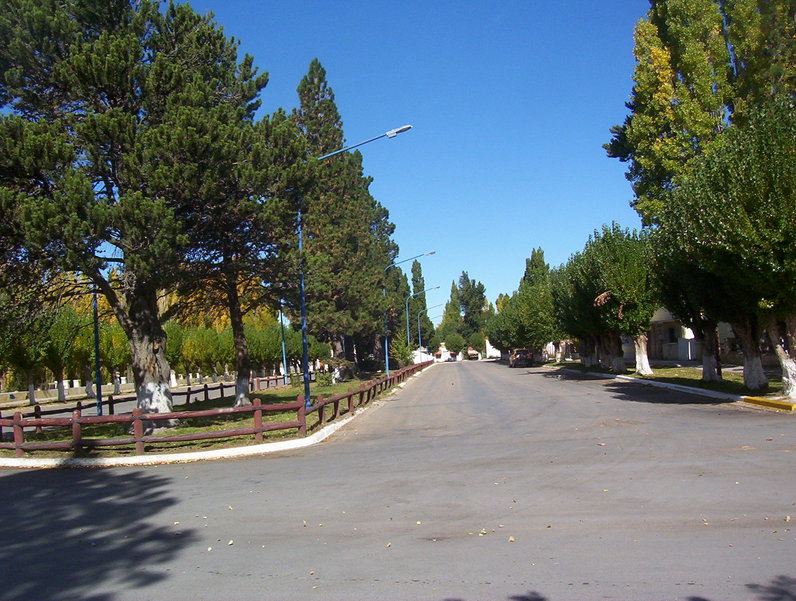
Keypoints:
(111, 133)
(346, 231)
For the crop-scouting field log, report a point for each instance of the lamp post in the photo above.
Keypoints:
(408, 341)
(384, 293)
(302, 292)
(419, 313)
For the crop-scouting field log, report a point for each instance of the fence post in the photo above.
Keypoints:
(111, 405)
(37, 415)
(76, 434)
(19, 434)
(258, 419)
(207, 392)
(221, 389)
(321, 410)
(188, 396)
(138, 431)
(302, 415)
(361, 393)
(350, 400)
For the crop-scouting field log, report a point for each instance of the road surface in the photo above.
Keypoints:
(474, 482)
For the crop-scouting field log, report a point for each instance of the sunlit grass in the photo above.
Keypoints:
(732, 382)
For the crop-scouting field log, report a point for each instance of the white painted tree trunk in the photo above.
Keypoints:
(241, 390)
(754, 378)
(786, 361)
(31, 394)
(711, 368)
(613, 345)
(61, 390)
(642, 358)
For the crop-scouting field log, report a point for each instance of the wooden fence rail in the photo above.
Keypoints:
(189, 395)
(140, 424)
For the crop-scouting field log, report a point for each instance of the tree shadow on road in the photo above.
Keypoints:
(80, 534)
(637, 390)
(782, 588)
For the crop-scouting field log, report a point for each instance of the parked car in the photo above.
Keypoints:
(521, 357)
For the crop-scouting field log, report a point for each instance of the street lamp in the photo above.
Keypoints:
(419, 313)
(384, 293)
(302, 292)
(408, 341)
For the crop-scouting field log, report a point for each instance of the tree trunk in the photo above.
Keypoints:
(786, 361)
(338, 347)
(588, 354)
(31, 387)
(59, 384)
(711, 365)
(243, 368)
(117, 382)
(642, 359)
(151, 370)
(616, 358)
(754, 378)
(89, 383)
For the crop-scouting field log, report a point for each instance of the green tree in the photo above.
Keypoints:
(733, 218)
(246, 243)
(575, 286)
(59, 344)
(114, 352)
(346, 231)
(692, 295)
(473, 304)
(200, 350)
(419, 307)
(526, 318)
(700, 65)
(396, 290)
(105, 145)
(628, 298)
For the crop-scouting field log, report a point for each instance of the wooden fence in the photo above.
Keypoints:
(139, 422)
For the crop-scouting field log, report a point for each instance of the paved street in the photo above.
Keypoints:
(475, 482)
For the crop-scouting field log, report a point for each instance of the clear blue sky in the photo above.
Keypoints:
(510, 102)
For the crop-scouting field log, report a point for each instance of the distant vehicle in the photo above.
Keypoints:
(521, 357)
(472, 354)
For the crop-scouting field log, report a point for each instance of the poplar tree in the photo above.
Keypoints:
(418, 304)
(734, 219)
(700, 65)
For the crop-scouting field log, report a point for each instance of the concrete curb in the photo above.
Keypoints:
(162, 459)
(779, 405)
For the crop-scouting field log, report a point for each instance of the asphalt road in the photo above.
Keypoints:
(474, 482)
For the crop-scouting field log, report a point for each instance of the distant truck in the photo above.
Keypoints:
(472, 354)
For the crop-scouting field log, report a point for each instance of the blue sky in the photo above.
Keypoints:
(510, 103)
